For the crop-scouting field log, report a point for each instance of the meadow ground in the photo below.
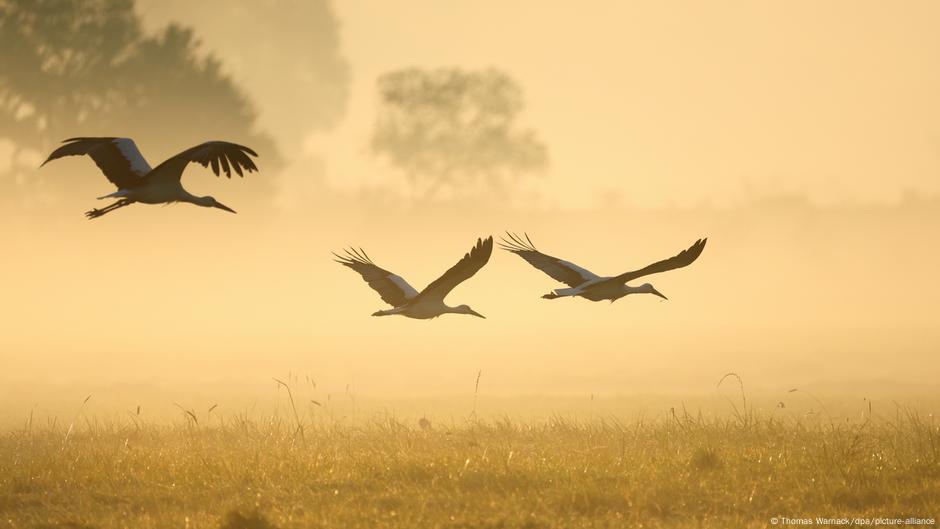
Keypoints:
(679, 470)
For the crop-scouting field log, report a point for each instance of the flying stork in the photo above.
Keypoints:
(429, 303)
(122, 164)
(588, 285)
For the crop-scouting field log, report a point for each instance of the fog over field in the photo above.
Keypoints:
(803, 139)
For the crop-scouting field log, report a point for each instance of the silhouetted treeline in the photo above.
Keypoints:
(285, 53)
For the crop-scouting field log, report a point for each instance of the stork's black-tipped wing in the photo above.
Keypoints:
(392, 288)
(118, 158)
(559, 269)
(683, 258)
(471, 263)
(221, 156)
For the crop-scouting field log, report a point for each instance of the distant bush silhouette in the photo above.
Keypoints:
(451, 130)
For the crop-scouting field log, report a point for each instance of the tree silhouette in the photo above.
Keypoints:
(454, 131)
(299, 42)
(86, 68)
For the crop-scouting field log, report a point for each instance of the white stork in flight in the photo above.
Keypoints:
(429, 303)
(588, 285)
(122, 164)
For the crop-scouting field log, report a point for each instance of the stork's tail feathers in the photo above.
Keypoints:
(383, 313)
(551, 295)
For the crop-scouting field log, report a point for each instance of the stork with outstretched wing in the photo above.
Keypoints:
(122, 164)
(405, 300)
(586, 284)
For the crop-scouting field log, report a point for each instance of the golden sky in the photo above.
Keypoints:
(803, 138)
(659, 102)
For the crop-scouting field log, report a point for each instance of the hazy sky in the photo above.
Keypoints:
(674, 107)
(661, 102)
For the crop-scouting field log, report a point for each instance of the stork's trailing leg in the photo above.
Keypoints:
(95, 213)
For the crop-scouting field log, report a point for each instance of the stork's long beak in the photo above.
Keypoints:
(226, 208)
(477, 314)
(658, 293)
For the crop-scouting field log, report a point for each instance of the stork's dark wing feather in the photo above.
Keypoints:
(559, 269)
(683, 258)
(118, 158)
(471, 263)
(222, 156)
(392, 288)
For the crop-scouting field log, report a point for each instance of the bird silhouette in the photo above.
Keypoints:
(586, 284)
(429, 303)
(124, 166)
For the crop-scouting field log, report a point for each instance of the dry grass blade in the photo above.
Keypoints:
(476, 393)
(742, 415)
(290, 396)
(190, 414)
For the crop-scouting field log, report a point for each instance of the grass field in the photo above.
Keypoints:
(678, 470)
